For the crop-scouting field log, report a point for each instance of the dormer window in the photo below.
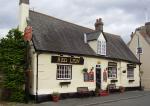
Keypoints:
(101, 47)
(97, 39)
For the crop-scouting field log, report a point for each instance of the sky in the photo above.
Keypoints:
(120, 17)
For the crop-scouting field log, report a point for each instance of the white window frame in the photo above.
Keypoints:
(64, 72)
(112, 73)
(101, 47)
(130, 72)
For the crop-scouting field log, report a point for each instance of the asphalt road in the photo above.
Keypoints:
(137, 101)
(129, 98)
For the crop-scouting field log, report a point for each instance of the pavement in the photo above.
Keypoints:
(129, 98)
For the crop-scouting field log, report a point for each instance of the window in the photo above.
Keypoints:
(101, 47)
(98, 47)
(112, 72)
(130, 72)
(64, 72)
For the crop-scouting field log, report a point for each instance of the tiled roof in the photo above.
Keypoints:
(54, 35)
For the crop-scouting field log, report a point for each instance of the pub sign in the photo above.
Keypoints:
(67, 60)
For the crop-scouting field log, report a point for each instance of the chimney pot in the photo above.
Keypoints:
(99, 25)
(132, 35)
(24, 1)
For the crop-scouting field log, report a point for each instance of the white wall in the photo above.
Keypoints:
(145, 67)
(124, 81)
(101, 38)
(47, 75)
(23, 15)
(93, 45)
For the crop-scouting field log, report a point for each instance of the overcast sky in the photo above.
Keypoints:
(120, 17)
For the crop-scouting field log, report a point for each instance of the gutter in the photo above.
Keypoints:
(96, 56)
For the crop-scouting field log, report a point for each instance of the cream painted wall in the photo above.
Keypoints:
(93, 45)
(23, 15)
(32, 79)
(145, 67)
(47, 75)
(124, 81)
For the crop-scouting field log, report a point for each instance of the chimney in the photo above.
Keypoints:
(23, 14)
(99, 25)
(24, 1)
(132, 34)
(147, 26)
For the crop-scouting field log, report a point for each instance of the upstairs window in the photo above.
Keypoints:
(101, 47)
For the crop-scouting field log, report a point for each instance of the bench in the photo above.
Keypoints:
(111, 87)
(83, 91)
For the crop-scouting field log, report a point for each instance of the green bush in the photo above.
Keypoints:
(12, 59)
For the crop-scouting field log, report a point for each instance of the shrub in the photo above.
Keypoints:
(12, 59)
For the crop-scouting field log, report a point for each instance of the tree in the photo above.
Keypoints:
(12, 65)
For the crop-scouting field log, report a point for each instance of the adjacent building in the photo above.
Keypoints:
(65, 56)
(140, 46)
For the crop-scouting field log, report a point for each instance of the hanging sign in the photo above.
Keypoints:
(105, 76)
(113, 64)
(28, 33)
(139, 50)
(67, 60)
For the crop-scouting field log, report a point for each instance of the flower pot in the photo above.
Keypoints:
(104, 93)
(55, 98)
(122, 89)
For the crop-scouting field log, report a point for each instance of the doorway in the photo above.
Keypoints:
(98, 76)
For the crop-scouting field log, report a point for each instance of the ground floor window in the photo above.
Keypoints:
(112, 72)
(130, 72)
(64, 72)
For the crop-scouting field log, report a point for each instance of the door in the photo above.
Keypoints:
(98, 76)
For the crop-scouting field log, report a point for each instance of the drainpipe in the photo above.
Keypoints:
(26, 73)
(120, 70)
(37, 61)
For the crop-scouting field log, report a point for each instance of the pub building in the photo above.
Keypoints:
(64, 56)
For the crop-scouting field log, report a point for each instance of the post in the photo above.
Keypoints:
(140, 62)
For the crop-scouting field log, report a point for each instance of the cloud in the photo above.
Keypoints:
(120, 16)
(8, 16)
(3, 32)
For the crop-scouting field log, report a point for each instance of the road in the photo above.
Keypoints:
(138, 101)
(129, 98)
